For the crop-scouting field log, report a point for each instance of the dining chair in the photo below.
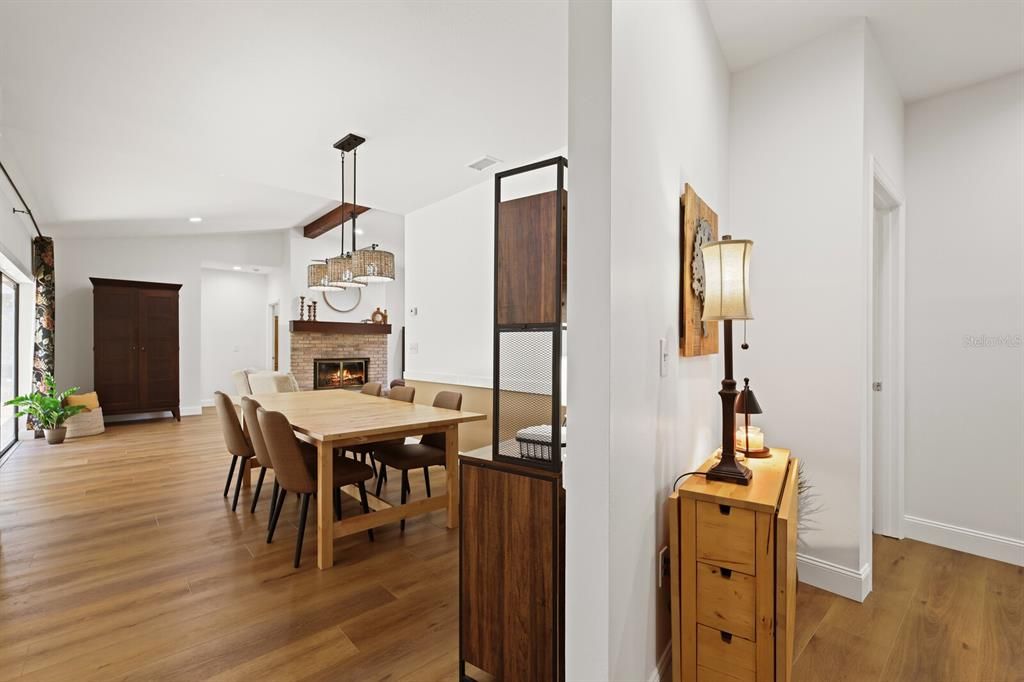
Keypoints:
(272, 382)
(236, 441)
(425, 454)
(396, 382)
(259, 448)
(404, 394)
(295, 471)
(371, 388)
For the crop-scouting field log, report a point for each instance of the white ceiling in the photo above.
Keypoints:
(131, 117)
(931, 46)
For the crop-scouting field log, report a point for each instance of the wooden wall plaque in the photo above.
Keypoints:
(695, 338)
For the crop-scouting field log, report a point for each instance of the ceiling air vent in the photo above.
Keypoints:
(484, 162)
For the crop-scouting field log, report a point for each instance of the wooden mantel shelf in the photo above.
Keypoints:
(338, 327)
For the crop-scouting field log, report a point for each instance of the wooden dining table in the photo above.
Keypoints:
(339, 419)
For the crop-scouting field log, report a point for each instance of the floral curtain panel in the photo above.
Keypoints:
(42, 352)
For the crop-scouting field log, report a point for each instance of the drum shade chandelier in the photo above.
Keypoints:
(358, 267)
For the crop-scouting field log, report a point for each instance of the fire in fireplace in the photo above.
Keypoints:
(349, 373)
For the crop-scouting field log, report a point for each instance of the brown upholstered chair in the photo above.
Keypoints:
(372, 388)
(396, 382)
(402, 393)
(236, 441)
(296, 472)
(425, 454)
(259, 448)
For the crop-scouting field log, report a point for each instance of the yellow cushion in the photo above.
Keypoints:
(89, 401)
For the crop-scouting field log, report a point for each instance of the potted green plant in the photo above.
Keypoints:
(47, 410)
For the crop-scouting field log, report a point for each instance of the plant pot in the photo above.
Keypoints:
(55, 436)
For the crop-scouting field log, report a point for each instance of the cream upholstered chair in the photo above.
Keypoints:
(241, 379)
(272, 382)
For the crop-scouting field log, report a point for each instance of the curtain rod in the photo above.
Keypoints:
(27, 210)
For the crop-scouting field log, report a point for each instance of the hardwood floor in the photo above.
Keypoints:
(119, 559)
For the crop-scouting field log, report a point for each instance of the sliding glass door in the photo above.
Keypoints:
(8, 360)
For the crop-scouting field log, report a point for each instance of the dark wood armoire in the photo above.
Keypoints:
(135, 346)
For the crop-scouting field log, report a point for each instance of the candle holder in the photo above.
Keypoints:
(749, 439)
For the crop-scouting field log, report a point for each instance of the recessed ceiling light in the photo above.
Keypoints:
(359, 231)
(483, 162)
(195, 219)
(237, 267)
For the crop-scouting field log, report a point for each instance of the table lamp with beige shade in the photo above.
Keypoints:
(727, 298)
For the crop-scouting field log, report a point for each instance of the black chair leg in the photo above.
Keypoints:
(426, 479)
(231, 472)
(381, 478)
(302, 528)
(337, 504)
(238, 482)
(259, 487)
(405, 490)
(274, 495)
(366, 505)
(373, 465)
(275, 513)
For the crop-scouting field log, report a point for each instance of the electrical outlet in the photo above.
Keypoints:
(414, 348)
(664, 567)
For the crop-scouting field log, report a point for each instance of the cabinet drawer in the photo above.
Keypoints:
(726, 600)
(725, 536)
(709, 675)
(726, 654)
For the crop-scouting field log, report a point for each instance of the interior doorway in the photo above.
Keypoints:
(274, 336)
(886, 396)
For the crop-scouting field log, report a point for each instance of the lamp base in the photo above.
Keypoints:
(755, 454)
(728, 470)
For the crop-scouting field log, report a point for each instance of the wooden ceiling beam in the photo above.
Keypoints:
(330, 220)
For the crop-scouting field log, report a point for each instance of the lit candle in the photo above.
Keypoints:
(749, 438)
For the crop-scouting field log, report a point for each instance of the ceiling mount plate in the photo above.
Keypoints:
(349, 142)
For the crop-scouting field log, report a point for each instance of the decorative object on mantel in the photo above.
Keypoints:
(698, 227)
(309, 312)
(302, 307)
(314, 311)
(727, 298)
(379, 316)
(749, 439)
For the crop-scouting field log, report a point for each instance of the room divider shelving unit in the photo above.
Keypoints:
(512, 513)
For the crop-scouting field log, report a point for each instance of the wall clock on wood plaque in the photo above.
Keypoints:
(698, 225)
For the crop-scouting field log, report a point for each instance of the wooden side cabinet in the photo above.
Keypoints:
(734, 574)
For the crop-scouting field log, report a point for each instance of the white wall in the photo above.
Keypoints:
(664, 60)
(965, 221)
(158, 259)
(797, 160)
(234, 326)
(379, 227)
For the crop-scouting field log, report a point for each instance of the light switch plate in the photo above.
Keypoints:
(662, 358)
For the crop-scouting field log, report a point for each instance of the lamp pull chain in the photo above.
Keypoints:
(744, 345)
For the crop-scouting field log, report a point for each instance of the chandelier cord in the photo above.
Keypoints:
(342, 253)
(355, 205)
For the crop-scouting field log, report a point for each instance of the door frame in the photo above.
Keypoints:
(274, 328)
(892, 495)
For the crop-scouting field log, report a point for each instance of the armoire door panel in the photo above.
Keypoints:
(158, 348)
(115, 339)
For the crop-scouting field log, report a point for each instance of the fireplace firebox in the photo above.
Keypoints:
(347, 373)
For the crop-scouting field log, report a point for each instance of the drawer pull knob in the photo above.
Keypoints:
(726, 637)
(724, 509)
(726, 573)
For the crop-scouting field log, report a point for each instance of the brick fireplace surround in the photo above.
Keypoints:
(310, 345)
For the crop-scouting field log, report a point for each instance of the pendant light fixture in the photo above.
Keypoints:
(339, 270)
(368, 265)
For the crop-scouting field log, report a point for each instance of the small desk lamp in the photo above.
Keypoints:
(727, 298)
(746, 404)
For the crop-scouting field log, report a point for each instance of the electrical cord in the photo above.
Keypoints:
(688, 473)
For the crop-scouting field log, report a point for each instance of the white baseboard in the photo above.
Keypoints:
(846, 582)
(662, 667)
(967, 540)
(190, 411)
(206, 402)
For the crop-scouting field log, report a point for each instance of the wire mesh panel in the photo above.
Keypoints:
(525, 402)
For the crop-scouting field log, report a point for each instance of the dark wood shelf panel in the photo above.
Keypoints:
(338, 327)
